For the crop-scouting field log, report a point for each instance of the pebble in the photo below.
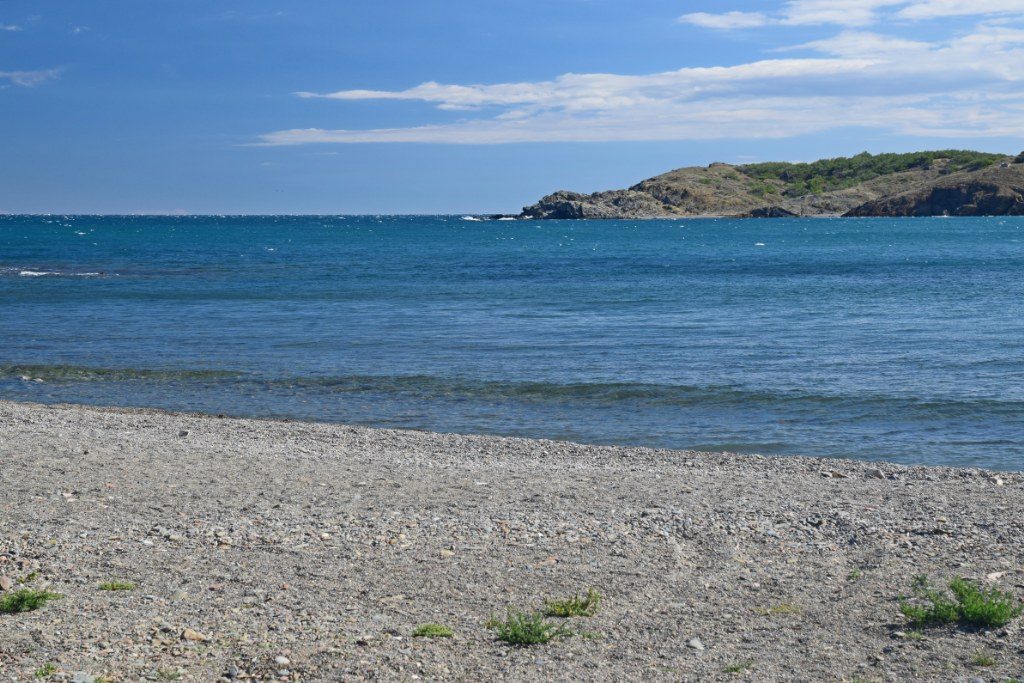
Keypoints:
(281, 660)
(6, 583)
(191, 634)
(696, 644)
(874, 473)
(83, 677)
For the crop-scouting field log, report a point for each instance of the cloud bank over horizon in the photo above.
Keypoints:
(964, 83)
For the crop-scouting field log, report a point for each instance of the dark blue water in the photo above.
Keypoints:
(876, 338)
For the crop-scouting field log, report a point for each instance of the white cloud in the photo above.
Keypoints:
(728, 20)
(597, 92)
(10, 27)
(854, 43)
(968, 85)
(29, 78)
(932, 9)
(840, 12)
(852, 13)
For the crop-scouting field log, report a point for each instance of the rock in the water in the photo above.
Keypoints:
(770, 212)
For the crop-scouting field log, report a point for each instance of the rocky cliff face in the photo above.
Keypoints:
(997, 191)
(611, 204)
(935, 186)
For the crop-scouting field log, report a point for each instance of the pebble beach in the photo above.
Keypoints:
(294, 551)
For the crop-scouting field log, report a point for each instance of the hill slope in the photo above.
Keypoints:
(953, 182)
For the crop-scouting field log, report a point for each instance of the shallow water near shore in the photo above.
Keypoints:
(897, 339)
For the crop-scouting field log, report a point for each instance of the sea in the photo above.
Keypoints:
(881, 339)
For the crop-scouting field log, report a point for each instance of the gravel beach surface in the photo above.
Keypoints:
(276, 550)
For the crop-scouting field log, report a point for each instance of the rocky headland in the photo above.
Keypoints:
(947, 182)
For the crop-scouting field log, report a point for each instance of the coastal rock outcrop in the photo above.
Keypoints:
(996, 191)
(612, 204)
(951, 182)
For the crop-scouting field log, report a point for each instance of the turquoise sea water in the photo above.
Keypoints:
(899, 339)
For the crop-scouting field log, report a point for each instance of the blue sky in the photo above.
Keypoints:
(423, 106)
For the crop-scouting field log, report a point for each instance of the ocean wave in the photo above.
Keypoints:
(594, 394)
(75, 373)
(33, 272)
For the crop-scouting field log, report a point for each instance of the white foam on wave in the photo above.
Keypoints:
(43, 273)
(471, 218)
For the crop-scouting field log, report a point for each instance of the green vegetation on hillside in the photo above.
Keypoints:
(843, 172)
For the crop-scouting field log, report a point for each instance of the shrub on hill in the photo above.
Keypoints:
(842, 172)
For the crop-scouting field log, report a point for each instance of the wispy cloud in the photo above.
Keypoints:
(10, 27)
(597, 92)
(933, 9)
(852, 13)
(28, 79)
(966, 85)
(725, 20)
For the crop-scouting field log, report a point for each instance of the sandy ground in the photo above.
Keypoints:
(294, 551)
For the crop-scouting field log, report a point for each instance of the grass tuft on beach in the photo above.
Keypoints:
(117, 586)
(25, 600)
(970, 605)
(526, 628)
(432, 631)
(46, 670)
(576, 606)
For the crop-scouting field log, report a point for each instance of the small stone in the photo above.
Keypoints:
(696, 644)
(447, 553)
(183, 432)
(193, 635)
(232, 672)
(281, 660)
(874, 473)
(998, 481)
(83, 677)
(6, 583)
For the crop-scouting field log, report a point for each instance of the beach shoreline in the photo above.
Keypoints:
(286, 550)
